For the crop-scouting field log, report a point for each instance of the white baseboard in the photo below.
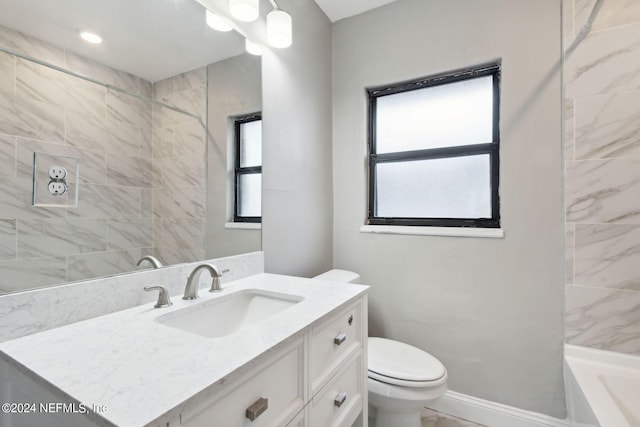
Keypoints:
(492, 414)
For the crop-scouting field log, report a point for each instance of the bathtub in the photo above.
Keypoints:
(603, 388)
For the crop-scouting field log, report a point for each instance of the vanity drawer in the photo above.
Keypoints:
(279, 381)
(300, 420)
(339, 403)
(332, 342)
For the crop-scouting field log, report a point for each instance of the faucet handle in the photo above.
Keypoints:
(216, 285)
(163, 297)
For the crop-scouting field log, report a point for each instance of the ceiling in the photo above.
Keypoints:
(153, 39)
(340, 9)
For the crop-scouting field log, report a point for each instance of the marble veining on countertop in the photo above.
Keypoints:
(141, 370)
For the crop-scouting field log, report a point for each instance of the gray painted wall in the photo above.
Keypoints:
(489, 309)
(297, 180)
(234, 88)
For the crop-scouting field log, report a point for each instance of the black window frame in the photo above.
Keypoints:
(239, 171)
(492, 148)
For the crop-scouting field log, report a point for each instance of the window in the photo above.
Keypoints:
(248, 168)
(433, 147)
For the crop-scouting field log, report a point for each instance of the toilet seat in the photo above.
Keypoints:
(401, 364)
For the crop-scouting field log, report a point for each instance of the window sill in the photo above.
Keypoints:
(491, 233)
(243, 225)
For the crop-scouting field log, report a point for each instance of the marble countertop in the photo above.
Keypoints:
(145, 372)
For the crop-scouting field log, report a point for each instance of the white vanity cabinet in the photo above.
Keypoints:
(319, 380)
(304, 366)
(270, 394)
(332, 342)
(337, 367)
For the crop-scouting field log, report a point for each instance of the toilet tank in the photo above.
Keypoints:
(337, 275)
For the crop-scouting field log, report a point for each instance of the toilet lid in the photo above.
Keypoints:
(389, 360)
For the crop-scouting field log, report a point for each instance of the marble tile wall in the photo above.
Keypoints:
(602, 170)
(179, 161)
(112, 133)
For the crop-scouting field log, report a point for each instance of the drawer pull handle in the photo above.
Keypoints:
(339, 339)
(255, 410)
(340, 398)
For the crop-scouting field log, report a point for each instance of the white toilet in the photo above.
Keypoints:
(402, 379)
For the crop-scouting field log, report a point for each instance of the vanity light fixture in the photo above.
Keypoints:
(217, 22)
(90, 37)
(279, 28)
(252, 48)
(244, 10)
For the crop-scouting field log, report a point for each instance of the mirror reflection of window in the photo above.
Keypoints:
(248, 168)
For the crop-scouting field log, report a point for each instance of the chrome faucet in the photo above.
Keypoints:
(191, 290)
(153, 260)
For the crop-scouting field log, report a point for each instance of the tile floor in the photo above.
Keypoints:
(438, 419)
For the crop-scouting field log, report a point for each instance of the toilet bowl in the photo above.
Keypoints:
(402, 379)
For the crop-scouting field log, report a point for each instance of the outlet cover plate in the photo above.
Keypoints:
(41, 195)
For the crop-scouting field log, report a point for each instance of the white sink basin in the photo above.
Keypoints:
(229, 313)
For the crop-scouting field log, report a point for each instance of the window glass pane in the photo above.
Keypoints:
(455, 187)
(447, 115)
(251, 144)
(250, 195)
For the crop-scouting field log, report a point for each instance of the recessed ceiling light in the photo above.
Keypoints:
(91, 37)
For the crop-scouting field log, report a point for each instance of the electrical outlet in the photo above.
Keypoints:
(55, 181)
(57, 188)
(57, 172)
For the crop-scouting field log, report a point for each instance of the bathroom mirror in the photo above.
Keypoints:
(152, 131)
